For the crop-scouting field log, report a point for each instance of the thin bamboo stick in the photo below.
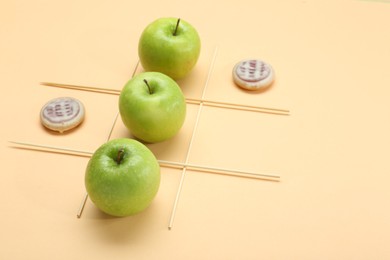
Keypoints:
(82, 206)
(195, 101)
(84, 201)
(50, 149)
(84, 88)
(163, 163)
(184, 171)
(217, 170)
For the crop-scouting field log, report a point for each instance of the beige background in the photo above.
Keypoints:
(332, 61)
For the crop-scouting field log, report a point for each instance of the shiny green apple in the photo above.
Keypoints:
(170, 46)
(152, 107)
(122, 177)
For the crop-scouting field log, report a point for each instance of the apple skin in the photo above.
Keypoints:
(152, 117)
(125, 188)
(174, 55)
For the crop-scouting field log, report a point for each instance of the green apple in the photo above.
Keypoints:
(122, 177)
(170, 46)
(152, 107)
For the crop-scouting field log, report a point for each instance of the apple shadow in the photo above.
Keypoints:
(185, 82)
(122, 230)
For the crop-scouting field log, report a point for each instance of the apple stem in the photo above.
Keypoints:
(147, 84)
(177, 26)
(120, 155)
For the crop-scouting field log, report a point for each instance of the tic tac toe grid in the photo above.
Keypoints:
(166, 152)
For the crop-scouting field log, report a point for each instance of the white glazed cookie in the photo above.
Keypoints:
(62, 114)
(253, 74)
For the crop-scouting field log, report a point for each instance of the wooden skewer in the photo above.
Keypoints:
(163, 163)
(283, 111)
(188, 100)
(88, 88)
(81, 209)
(227, 105)
(84, 88)
(50, 149)
(223, 171)
(84, 201)
(184, 171)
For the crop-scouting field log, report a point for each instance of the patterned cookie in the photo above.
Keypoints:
(62, 114)
(253, 74)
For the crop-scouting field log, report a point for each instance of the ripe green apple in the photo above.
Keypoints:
(122, 177)
(170, 46)
(152, 107)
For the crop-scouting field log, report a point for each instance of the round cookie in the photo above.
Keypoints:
(253, 74)
(62, 114)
